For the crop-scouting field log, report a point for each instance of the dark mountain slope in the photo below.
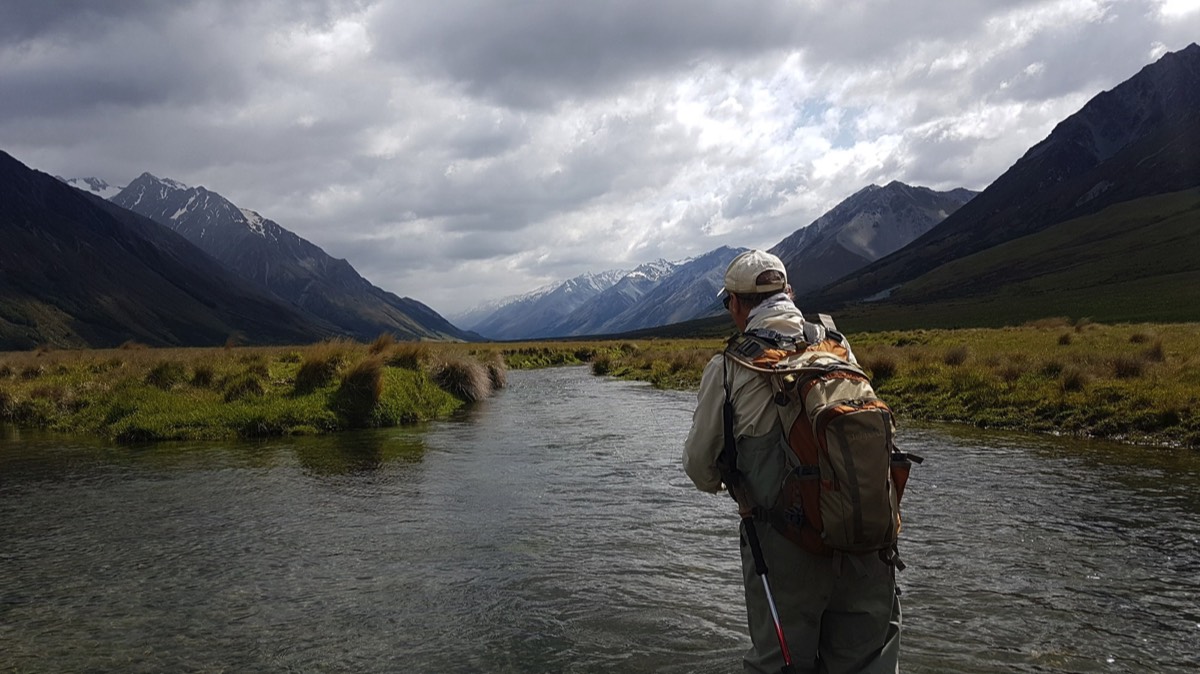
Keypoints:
(866, 226)
(76, 270)
(1137, 140)
(1132, 262)
(293, 268)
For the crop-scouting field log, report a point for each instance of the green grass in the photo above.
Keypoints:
(139, 394)
(1138, 383)
(1137, 261)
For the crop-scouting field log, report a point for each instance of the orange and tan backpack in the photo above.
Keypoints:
(845, 475)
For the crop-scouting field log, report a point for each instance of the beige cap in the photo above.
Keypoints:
(742, 275)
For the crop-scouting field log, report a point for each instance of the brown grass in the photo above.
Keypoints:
(321, 364)
(465, 379)
(381, 344)
(360, 390)
(409, 355)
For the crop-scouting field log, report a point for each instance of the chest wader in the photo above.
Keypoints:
(732, 477)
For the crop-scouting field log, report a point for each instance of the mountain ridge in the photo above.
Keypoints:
(261, 250)
(77, 270)
(1136, 139)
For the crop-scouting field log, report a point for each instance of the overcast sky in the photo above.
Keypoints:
(456, 151)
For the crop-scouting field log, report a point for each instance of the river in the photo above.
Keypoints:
(550, 529)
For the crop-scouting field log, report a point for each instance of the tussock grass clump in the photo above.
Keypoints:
(956, 355)
(1052, 368)
(321, 364)
(30, 372)
(203, 375)
(879, 365)
(1065, 339)
(166, 374)
(314, 374)
(497, 372)
(6, 371)
(465, 379)
(409, 355)
(1082, 324)
(360, 391)
(1073, 379)
(1011, 371)
(1140, 337)
(1128, 367)
(602, 365)
(131, 345)
(382, 343)
(244, 386)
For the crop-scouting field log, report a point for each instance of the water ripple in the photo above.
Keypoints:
(551, 529)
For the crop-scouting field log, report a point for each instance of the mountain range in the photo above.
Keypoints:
(864, 227)
(1099, 219)
(76, 270)
(868, 225)
(1136, 143)
(260, 250)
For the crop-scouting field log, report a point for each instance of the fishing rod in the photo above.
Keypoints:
(760, 567)
(732, 477)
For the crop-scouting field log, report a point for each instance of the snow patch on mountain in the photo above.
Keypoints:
(96, 186)
(254, 221)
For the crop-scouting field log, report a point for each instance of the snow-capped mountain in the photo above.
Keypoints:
(261, 250)
(96, 186)
(688, 291)
(79, 271)
(472, 317)
(535, 314)
(867, 225)
(653, 294)
(592, 317)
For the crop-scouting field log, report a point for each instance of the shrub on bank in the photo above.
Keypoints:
(164, 394)
(1125, 382)
(410, 355)
(360, 391)
(463, 378)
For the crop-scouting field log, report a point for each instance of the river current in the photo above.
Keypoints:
(551, 529)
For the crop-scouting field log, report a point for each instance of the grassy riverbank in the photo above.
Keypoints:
(1134, 383)
(141, 394)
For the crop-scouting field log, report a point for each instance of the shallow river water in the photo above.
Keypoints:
(551, 529)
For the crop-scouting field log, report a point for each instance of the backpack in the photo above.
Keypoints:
(845, 476)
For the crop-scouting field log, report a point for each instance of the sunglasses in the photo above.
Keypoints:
(726, 300)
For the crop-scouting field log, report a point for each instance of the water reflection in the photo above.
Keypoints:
(550, 529)
(358, 451)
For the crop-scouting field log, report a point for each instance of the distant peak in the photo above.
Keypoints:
(173, 184)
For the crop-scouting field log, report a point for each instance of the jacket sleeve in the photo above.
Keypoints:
(706, 438)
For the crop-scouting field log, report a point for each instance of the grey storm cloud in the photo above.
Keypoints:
(532, 54)
(463, 149)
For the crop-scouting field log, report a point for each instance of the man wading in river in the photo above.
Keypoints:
(811, 607)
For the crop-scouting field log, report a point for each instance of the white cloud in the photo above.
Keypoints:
(1171, 9)
(458, 151)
